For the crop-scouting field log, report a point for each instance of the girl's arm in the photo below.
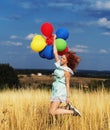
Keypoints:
(67, 77)
(55, 49)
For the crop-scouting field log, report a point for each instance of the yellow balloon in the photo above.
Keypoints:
(38, 43)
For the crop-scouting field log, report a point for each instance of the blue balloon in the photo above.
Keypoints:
(62, 33)
(42, 53)
(47, 52)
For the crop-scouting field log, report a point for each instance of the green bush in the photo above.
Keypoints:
(8, 77)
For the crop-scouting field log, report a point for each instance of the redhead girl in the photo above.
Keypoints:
(65, 67)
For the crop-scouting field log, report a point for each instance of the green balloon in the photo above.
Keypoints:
(60, 44)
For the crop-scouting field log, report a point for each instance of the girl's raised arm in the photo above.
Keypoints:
(55, 49)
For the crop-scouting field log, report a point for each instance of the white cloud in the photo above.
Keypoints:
(104, 22)
(38, 21)
(26, 5)
(30, 36)
(12, 53)
(106, 33)
(13, 37)
(77, 30)
(4, 19)
(60, 4)
(80, 48)
(28, 47)
(103, 5)
(103, 51)
(13, 43)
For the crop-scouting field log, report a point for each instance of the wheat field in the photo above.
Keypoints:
(28, 110)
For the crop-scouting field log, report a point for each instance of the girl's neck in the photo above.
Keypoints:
(64, 65)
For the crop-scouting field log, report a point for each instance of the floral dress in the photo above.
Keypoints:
(59, 85)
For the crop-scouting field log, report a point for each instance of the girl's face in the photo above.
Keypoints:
(63, 60)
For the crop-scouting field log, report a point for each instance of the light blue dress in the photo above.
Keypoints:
(59, 85)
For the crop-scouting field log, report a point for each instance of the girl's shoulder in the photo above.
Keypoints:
(69, 70)
(57, 64)
(66, 68)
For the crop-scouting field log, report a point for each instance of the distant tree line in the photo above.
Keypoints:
(92, 74)
(35, 71)
(8, 77)
(78, 73)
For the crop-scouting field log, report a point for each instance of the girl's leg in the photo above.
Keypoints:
(55, 110)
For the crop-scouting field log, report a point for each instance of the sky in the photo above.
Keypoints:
(88, 23)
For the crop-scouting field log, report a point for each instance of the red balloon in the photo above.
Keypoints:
(47, 29)
(63, 52)
(49, 40)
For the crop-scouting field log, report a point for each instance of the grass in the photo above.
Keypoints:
(28, 110)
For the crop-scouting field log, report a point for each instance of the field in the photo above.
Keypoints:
(27, 109)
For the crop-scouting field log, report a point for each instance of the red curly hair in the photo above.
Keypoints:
(73, 60)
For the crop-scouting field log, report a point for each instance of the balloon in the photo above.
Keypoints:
(47, 53)
(47, 29)
(38, 43)
(60, 44)
(63, 52)
(62, 33)
(49, 40)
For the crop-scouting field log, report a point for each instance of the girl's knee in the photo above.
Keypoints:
(53, 107)
(51, 111)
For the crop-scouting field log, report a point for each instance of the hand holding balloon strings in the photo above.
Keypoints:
(43, 44)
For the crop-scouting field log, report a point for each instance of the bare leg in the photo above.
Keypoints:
(55, 110)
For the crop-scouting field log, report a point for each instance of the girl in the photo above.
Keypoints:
(61, 85)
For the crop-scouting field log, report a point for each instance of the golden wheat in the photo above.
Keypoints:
(28, 110)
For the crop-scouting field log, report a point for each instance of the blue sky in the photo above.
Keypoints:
(88, 23)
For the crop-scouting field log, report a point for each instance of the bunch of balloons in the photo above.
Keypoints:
(62, 35)
(43, 44)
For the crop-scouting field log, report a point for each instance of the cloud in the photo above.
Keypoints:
(14, 17)
(4, 19)
(106, 33)
(60, 4)
(103, 5)
(98, 9)
(81, 46)
(30, 36)
(13, 37)
(33, 4)
(26, 5)
(81, 49)
(13, 43)
(11, 17)
(77, 30)
(70, 5)
(39, 20)
(103, 51)
(56, 4)
(12, 53)
(104, 22)
(101, 22)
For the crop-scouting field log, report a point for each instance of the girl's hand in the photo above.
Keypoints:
(54, 36)
(67, 100)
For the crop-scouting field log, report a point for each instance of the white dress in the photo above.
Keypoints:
(59, 85)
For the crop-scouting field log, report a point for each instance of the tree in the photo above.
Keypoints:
(8, 77)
